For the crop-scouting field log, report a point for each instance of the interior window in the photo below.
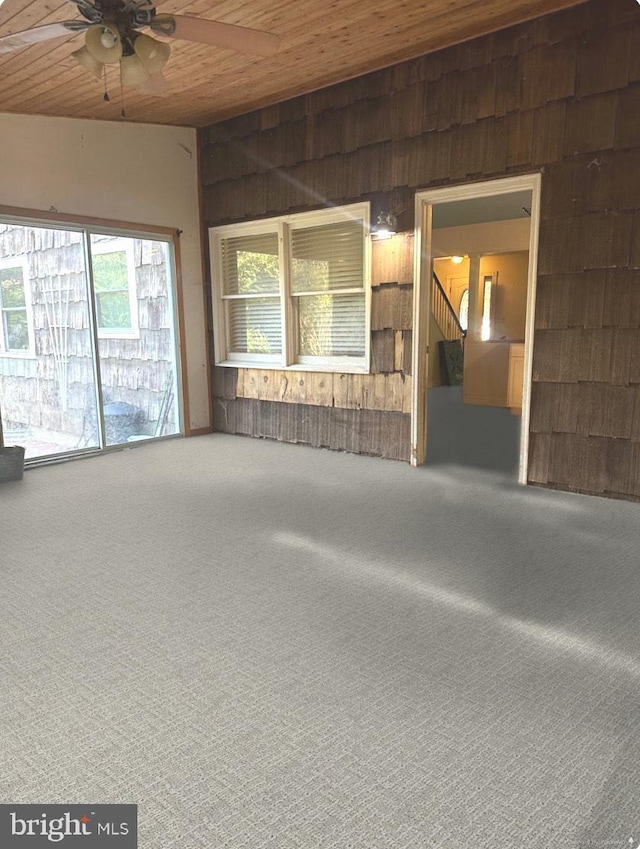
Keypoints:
(291, 291)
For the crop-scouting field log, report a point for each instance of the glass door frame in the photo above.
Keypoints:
(93, 226)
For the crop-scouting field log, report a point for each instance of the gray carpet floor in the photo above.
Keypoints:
(267, 645)
(470, 434)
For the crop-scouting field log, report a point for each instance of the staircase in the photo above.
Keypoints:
(446, 340)
(444, 314)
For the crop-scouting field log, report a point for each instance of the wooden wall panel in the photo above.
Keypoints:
(634, 252)
(375, 432)
(539, 457)
(622, 353)
(392, 260)
(627, 133)
(495, 146)
(560, 94)
(392, 307)
(634, 64)
(467, 151)
(591, 124)
(605, 410)
(384, 391)
(548, 132)
(555, 407)
(225, 381)
(594, 346)
(520, 139)
(383, 350)
(635, 427)
(603, 62)
(634, 360)
(508, 90)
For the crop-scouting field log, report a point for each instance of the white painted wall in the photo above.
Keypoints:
(138, 173)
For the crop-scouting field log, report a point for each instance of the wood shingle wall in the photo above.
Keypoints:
(560, 94)
(361, 413)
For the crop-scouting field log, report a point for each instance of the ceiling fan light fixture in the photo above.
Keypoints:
(152, 53)
(104, 44)
(84, 58)
(132, 71)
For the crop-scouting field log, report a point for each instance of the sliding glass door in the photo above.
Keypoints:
(47, 361)
(132, 282)
(87, 339)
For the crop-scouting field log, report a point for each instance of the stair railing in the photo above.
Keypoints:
(444, 313)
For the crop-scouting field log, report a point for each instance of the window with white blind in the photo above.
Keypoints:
(251, 294)
(293, 292)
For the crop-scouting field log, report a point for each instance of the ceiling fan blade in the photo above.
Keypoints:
(216, 33)
(89, 9)
(155, 86)
(19, 40)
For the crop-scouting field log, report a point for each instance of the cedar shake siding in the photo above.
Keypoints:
(560, 95)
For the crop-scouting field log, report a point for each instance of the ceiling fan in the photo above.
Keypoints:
(112, 36)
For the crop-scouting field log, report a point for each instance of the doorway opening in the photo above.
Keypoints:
(476, 257)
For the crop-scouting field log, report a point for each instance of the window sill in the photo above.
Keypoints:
(341, 368)
(18, 355)
(119, 334)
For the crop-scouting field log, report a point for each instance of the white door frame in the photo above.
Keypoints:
(423, 261)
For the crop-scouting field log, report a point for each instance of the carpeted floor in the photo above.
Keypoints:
(470, 434)
(266, 645)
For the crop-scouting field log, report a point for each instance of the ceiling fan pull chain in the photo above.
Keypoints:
(122, 112)
(106, 97)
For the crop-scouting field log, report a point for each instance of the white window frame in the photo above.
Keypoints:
(221, 316)
(282, 226)
(22, 263)
(112, 246)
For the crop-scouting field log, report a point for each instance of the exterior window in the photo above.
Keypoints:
(487, 285)
(16, 330)
(463, 310)
(251, 292)
(327, 283)
(293, 292)
(114, 281)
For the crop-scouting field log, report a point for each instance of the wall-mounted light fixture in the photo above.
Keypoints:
(457, 260)
(385, 227)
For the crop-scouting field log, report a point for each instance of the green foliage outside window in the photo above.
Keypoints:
(12, 288)
(258, 273)
(15, 327)
(16, 331)
(258, 341)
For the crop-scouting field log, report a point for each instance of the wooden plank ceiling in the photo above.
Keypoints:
(321, 44)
